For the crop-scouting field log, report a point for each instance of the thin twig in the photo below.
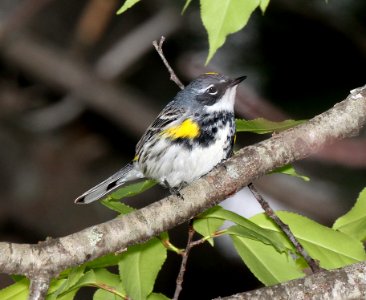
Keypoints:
(185, 253)
(199, 242)
(314, 266)
(159, 49)
(183, 264)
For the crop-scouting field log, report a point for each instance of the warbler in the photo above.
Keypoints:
(191, 135)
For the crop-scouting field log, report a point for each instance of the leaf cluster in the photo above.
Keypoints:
(257, 240)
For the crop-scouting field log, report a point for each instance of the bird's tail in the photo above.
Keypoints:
(127, 173)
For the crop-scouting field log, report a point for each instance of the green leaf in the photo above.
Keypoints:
(67, 285)
(112, 200)
(186, 6)
(353, 223)
(55, 285)
(104, 261)
(157, 296)
(16, 291)
(263, 5)
(267, 264)
(117, 206)
(139, 267)
(133, 189)
(128, 4)
(207, 227)
(101, 294)
(262, 126)
(69, 296)
(258, 233)
(247, 233)
(333, 249)
(99, 278)
(222, 18)
(290, 170)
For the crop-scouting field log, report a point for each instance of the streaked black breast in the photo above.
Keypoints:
(209, 125)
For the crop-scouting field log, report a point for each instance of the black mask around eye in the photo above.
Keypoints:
(213, 93)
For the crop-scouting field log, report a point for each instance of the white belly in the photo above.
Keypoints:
(178, 164)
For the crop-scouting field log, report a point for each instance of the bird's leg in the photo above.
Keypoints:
(173, 190)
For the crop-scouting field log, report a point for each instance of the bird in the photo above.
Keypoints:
(191, 135)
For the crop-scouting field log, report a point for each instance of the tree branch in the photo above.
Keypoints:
(54, 255)
(346, 283)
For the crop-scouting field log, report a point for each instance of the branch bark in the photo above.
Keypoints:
(38, 288)
(48, 258)
(340, 284)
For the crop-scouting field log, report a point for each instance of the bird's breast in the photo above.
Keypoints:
(182, 160)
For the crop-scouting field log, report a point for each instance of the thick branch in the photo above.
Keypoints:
(346, 283)
(343, 120)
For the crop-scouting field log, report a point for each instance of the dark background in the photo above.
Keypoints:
(65, 125)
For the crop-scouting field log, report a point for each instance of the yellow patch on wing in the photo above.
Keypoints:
(211, 73)
(136, 158)
(187, 129)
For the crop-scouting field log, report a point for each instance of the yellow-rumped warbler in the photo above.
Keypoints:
(192, 134)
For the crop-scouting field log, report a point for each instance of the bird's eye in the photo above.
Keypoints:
(212, 90)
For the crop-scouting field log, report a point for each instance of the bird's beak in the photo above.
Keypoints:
(236, 81)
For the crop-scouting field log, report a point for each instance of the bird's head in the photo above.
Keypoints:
(212, 91)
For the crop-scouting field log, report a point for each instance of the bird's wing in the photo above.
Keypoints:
(167, 116)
